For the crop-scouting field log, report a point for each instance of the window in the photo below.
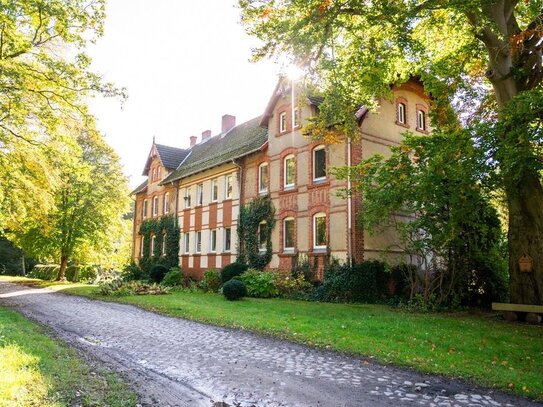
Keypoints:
(199, 194)
(263, 178)
(319, 164)
(421, 120)
(153, 175)
(155, 206)
(164, 244)
(401, 113)
(214, 190)
(153, 238)
(283, 122)
(187, 198)
(144, 209)
(186, 246)
(296, 117)
(262, 236)
(228, 187)
(319, 231)
(227, 239)
(167, 202)
(213, 241)
(289, 169)
(198, 242)
(141, 245)
(288, 234)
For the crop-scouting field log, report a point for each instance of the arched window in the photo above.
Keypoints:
(320, 235)
(155, 206)
(401, 113)
(164, 244)
(153, 245)
(319, 164)
(421, 120)
(142, 242)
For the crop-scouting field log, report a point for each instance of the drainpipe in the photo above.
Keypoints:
(349, 205)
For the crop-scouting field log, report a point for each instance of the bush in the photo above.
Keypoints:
(260, 284)
(232, 270)
(133, 272)
(211, 281)
(173, 278)
(234, 290)
(45, 271)
(157, 273)
(289, 286)
(77, 274)
(123, 288)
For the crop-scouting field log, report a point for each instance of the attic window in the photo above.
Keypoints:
(283, 122)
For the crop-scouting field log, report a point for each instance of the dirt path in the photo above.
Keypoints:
(175, 362)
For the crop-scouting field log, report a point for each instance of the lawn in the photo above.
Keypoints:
(36, 370)
(476, 347)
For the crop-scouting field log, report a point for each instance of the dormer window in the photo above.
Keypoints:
(283, 122)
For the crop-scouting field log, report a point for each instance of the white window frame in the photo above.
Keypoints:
(213, 240)
(142, 242)
(200, 194)
(186, 243)
(261, 248)
(283, 122)
(155, 206)
(198, 242)
(144, 209)
(227, 232)
(401, 113)
(214, 190)
(285, 169)
(228, 181)
(421, 119)
(188, 197)
(164, 244)
(285, 247)
(315, 150)
(315, 217)
(296, 118)
(263, 189)
(166, 202)
(153, 240)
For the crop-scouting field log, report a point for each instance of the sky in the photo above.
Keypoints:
(184, 64)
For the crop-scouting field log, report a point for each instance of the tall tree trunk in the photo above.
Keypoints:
(62, 271)
(525, 237)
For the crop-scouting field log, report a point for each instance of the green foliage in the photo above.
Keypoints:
(365, 282)
(232, 270)
(173, 278)
(119, 288)
(133, 272)
(251, 217)
(164, 227)
(291, 286)
(211, 281)
(81, 273)
(259, 284)
(157, 273)
(11, 262)
(44, 271)
(234, 290)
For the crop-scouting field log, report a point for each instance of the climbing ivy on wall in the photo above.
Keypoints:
(250, 218)
(164, 227)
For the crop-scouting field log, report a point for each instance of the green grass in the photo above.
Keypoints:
(475, 347)
(36, 370)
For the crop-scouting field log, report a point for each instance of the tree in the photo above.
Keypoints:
(483, 57)
(91, 198)
(44, 82)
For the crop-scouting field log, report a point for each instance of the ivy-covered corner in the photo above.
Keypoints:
(162, 228)
(256, 214)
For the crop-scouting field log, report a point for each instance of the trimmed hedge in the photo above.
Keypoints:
(234, 290)
(44, 271)
(232, 270)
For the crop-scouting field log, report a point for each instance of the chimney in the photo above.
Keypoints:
(193, 141)
(228, 121)
(206, 134)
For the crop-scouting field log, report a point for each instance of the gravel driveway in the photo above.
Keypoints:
(175, 362)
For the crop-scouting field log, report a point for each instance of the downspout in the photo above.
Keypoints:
(240, 187)
(349, 205)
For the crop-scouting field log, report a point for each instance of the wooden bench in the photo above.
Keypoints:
(511, 312)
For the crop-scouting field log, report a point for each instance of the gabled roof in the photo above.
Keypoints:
(140, 188)
(241, 140)
(170, 157)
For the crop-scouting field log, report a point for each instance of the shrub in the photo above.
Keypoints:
(234, 290)
(45, 271)
(122, 288)
(232, 270)
(211, 281)
(289, 286)
(157, 273)
(84, 273)
(260, 284)
(133, 272)
(173, 278)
